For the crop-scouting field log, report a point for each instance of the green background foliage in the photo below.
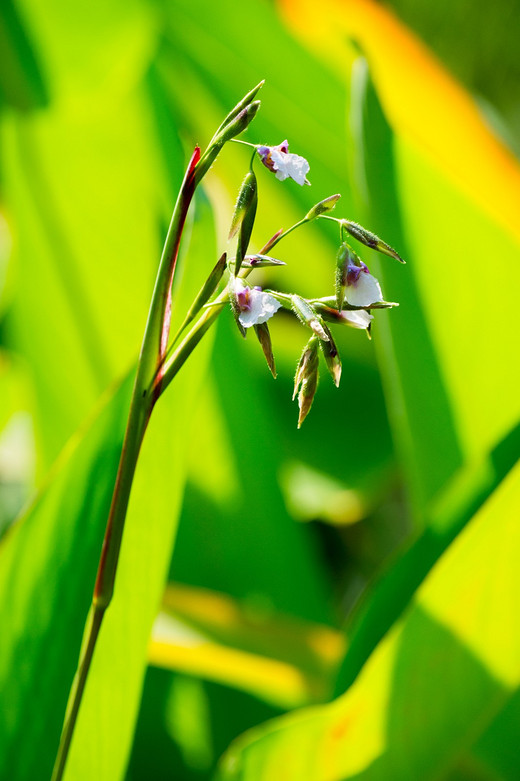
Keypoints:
(330, 603)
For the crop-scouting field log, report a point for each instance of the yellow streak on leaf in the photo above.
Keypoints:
(422, 101)
(278, 682)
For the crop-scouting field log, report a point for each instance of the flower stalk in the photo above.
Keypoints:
(161, 357)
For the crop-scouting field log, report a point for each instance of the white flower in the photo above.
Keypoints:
(362, 288)
(254, 306)
(284, 164)
(357, 318)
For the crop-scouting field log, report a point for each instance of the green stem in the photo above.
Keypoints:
(245, 143)
(273, 242)
(90, 637)
(151, 359)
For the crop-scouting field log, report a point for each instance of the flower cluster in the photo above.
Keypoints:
(357, 291)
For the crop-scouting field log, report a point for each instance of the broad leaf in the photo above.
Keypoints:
(430, 689)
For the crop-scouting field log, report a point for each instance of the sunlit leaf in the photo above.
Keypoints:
(276, 657)
(48, 565)
(431, 687)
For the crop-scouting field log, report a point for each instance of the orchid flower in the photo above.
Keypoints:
(362, 288)
(254, 307)
(284, 164)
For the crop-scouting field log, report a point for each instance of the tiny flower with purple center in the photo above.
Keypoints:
(252, 305)
(283, 163)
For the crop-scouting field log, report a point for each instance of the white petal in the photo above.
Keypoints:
(287, 164)
(263, 306)
(365, 291)
(297, 167)
(278, 160)
(357, 318)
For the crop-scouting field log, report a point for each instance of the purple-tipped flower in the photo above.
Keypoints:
(362, 288)
(354, 282)
(283, 163)
(251, 305)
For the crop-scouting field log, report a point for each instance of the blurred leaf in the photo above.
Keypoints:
(422, 396)
(432, 686)
(185, 724)
(22, 85)
(46, 579)
(84, 190)
(106, 723)
(484, 59)
(419, 405)
(246, 529)
(47, 585)
(443, 121)
(444, 190)
(276, 657)
(16, 440)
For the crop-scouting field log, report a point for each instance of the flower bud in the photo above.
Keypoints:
(239, 123)
(261, 261)
(306, 379)
(244, 217)
(228, 131)
(264, 337)
(272, 241)
(370, 239)
(309, 316)
(323, 207)
(207, 289)
(242, 104)
(345, 259)
(332, 359)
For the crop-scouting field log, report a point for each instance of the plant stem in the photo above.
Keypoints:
(148, 377)
(91, 634)
(273, 242)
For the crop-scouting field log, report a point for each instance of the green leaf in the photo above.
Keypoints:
(106, 722)
(48, 565)
(448, 490)
(22, 84)
(432, 686)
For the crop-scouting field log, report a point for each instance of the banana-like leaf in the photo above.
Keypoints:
(50, 560)
(432, 687)
(47, 570)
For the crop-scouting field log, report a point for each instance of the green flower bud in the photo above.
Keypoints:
(308, 316)
(345, 258)
(229, 131)
(272, 241)
(261, 261)
(370, 239)
(332, 359)
(242, 104)
(239, 123)
(264, 337)
(306, 379)
(207, 289)
(323, 207)
(244, 217)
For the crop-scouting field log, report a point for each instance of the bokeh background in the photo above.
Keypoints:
(357, 580)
